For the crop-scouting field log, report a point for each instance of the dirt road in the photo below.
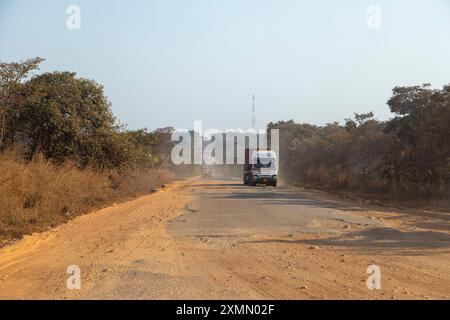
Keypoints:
(216, 239)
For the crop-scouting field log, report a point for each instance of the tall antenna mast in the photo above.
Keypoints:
(253, 113)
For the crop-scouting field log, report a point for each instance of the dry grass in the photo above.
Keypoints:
(372, 189)
(38, 195)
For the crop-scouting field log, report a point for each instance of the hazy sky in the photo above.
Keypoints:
(170, 62)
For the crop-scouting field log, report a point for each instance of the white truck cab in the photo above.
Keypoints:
(262, 168)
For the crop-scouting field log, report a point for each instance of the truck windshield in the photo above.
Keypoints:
(263, 163)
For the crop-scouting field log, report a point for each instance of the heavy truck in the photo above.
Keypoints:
(260, 167)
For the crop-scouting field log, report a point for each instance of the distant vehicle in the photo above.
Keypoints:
(260, 167)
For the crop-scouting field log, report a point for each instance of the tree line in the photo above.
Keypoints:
(65, 117)
(408, 154)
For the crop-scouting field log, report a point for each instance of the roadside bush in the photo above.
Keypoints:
(38, 194)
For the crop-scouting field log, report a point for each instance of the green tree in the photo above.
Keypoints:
(67, 117)
(12, 76)
(421, 149)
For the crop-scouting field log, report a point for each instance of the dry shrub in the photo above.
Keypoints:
(38, 195)
(378, 185)
(342, 178)
(318, 175)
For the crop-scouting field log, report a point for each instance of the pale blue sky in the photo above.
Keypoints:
(170, 62)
